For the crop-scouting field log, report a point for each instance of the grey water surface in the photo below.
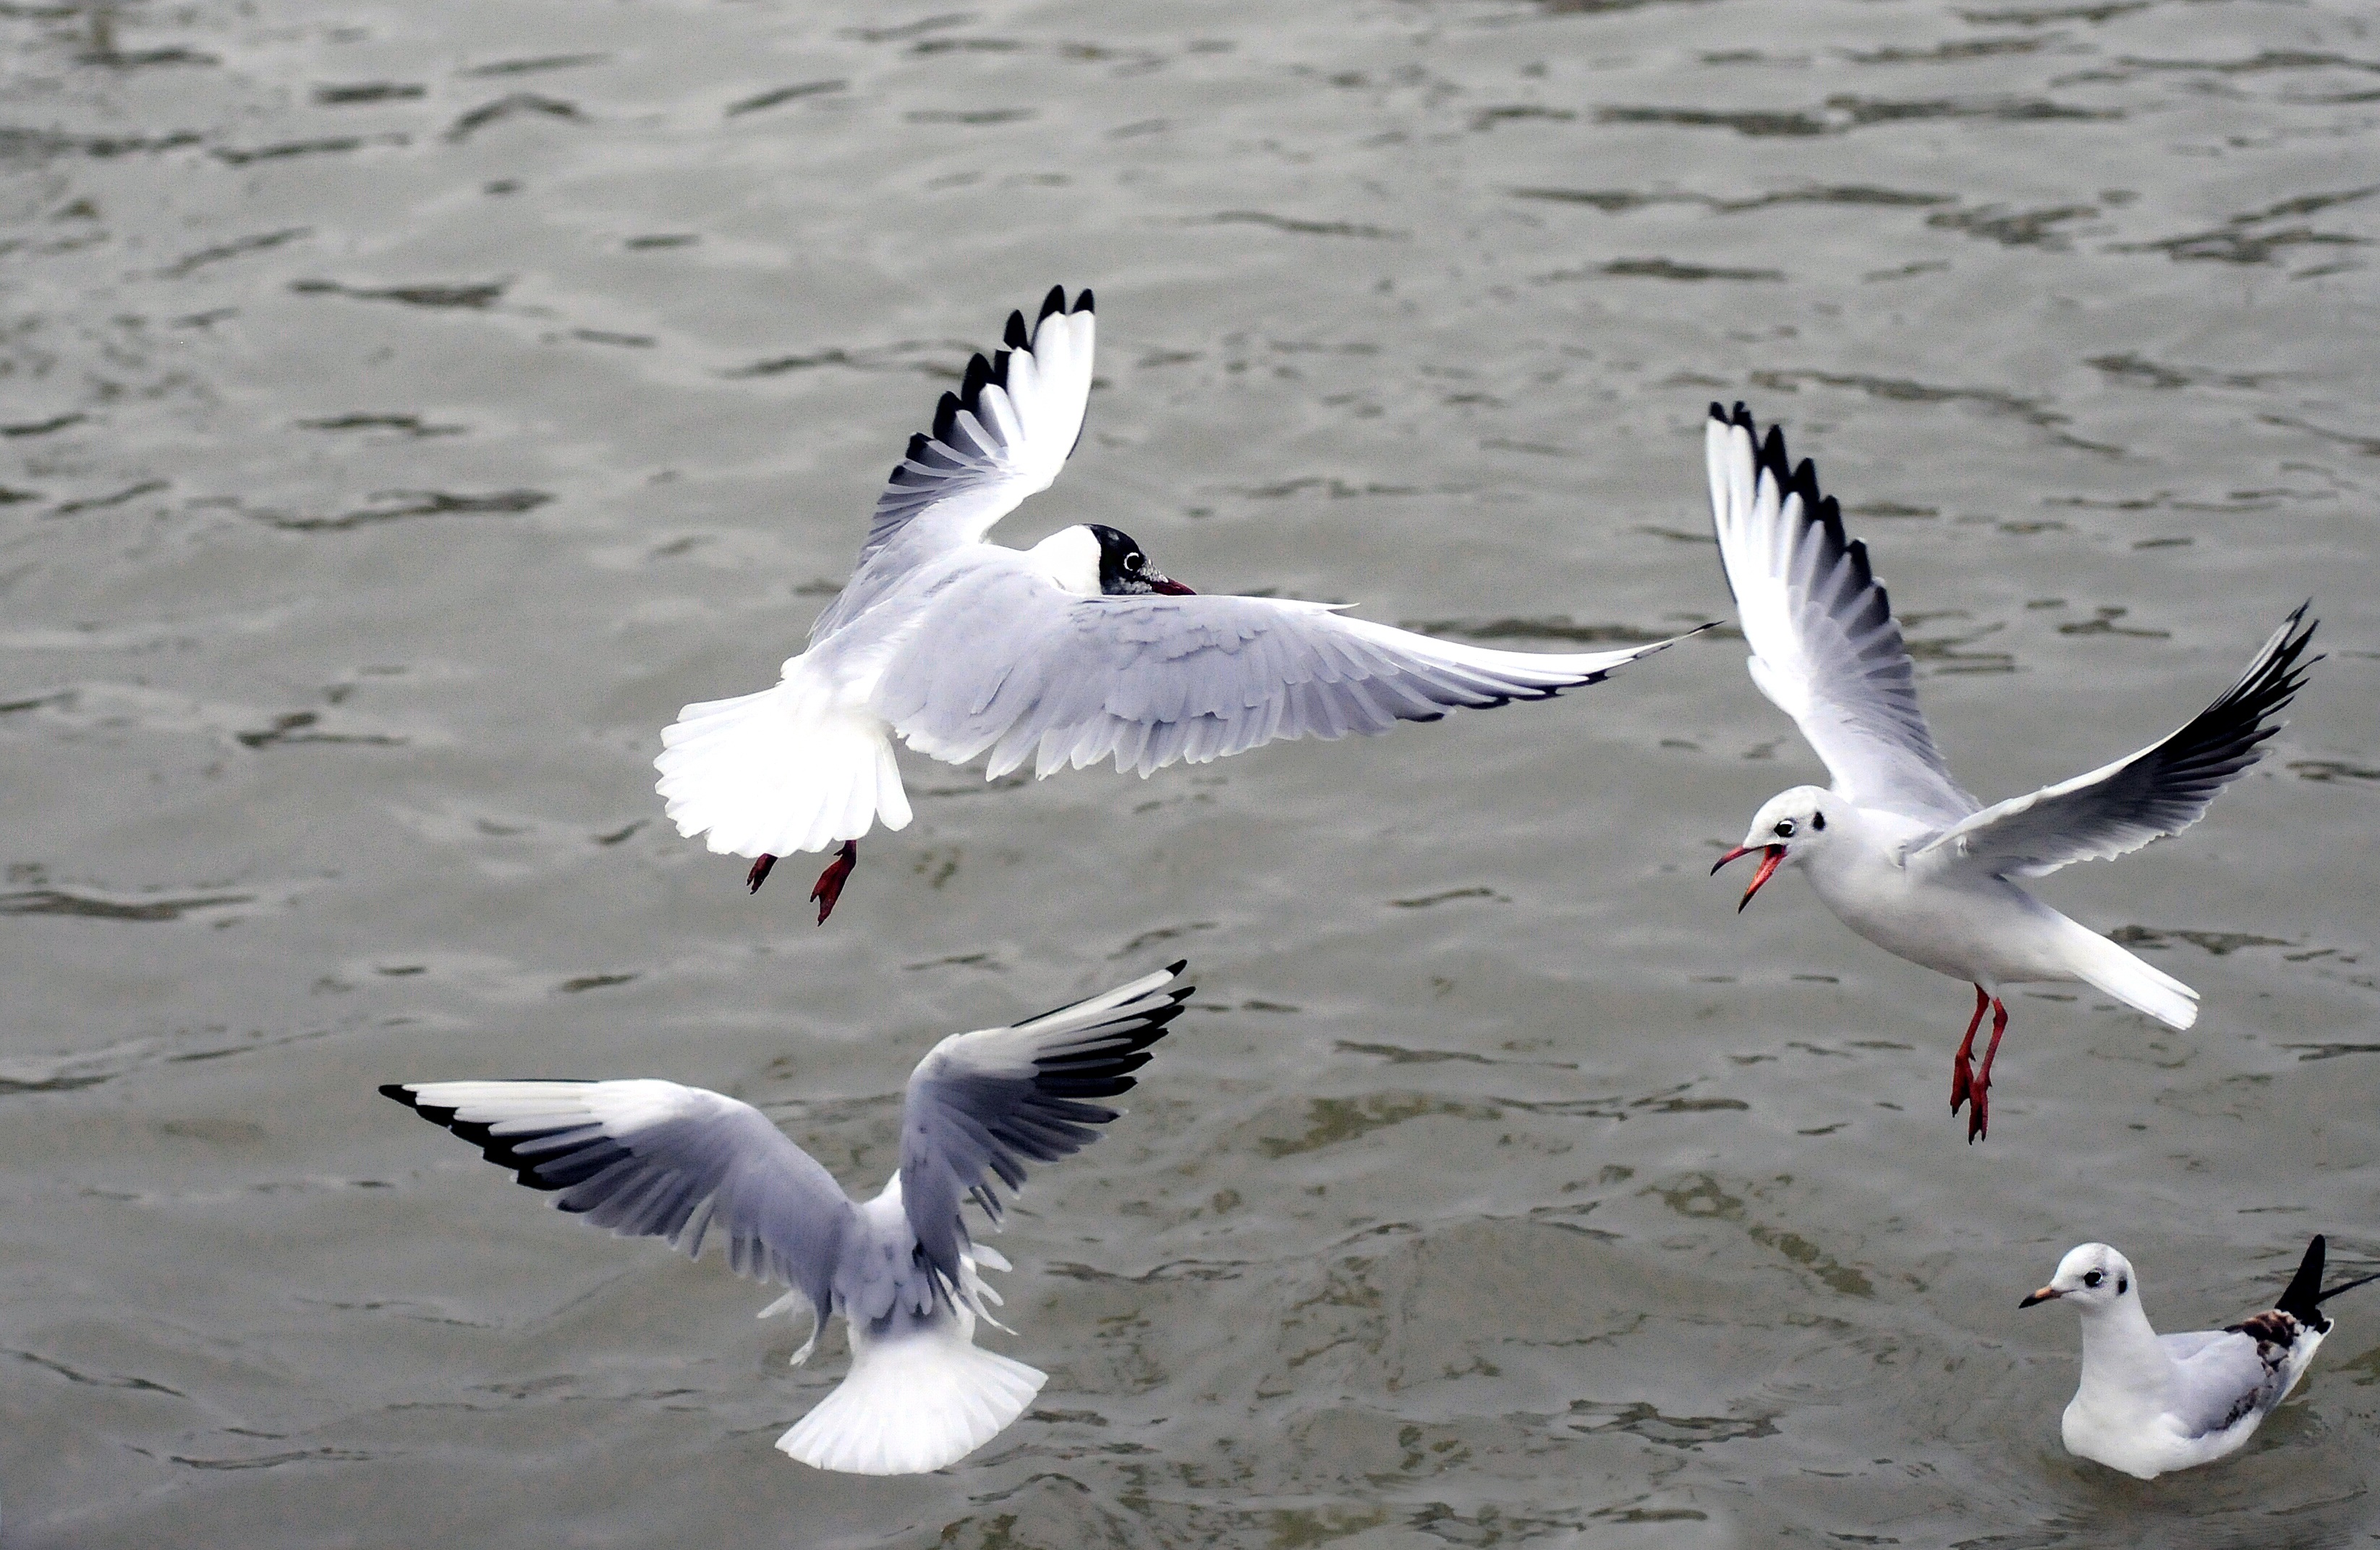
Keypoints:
(404, 408)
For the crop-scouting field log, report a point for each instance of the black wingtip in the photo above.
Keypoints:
(946, 416)
(1053, 302)
(402, 1093)
(1082, 302)
(979, 372)
(1177, 966)
(1015, 337)
(2302, 1301)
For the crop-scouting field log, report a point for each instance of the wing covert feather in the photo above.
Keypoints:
(981, 1106)
(1004, 661)
(653, 1159)
(2147, 796)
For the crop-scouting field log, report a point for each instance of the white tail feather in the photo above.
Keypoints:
(913, 1400)
(2104, 966)
(779, 771)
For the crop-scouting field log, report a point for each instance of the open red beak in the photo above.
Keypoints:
(1772, 857)
(1160, 582)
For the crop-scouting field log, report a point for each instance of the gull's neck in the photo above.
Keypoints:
(1069, 557)
(2124, 1368)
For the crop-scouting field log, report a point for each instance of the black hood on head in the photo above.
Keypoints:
(1123, 570)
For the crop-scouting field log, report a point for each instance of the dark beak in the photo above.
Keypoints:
(2047, 1294)
(1772, 857)
(1160, 582)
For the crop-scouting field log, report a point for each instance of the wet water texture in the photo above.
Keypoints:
(406, 408)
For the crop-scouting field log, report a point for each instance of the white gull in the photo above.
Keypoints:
(653, 1159)
(2150, 1403)
(1895, 847)
(1073, 651)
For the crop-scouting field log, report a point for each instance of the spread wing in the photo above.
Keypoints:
(1004, 660)
(1826, 648)
(652, 1159)
(983, 1104)
(2161, 790)
(1004, 435)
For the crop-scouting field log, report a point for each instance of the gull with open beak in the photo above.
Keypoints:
(1066, 653)
(1895, 847)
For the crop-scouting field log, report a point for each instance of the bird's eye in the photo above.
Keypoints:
(1784, 828)
(1817, 820)
(1135, 560)
(2093, 1278)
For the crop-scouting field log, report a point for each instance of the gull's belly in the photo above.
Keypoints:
(1990, 933)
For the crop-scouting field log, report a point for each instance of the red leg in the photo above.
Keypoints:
(1980, 1118)
(759, 874)
(1962, 1078)
(829, 886)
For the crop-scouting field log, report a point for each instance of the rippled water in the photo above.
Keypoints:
(404, 408)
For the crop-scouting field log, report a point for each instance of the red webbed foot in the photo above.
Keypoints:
(829, 887)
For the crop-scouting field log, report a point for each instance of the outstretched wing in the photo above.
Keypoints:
(984, 1104)
(1004, 435)
(652, 1159)
(1005, 660)
(1826, 648)
(2161, 790)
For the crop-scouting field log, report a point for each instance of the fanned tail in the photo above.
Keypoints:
(779, 771)
(920, 1395)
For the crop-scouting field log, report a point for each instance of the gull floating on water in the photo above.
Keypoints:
(1073, 651)
(652, 1159)
(2150, 1403)
(1897, 849)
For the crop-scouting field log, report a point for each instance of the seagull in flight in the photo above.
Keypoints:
(652, 1159)
(2151, 1403)
(1073, 651)
(1895, 847)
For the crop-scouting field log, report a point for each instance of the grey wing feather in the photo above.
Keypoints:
(2161, 790)
(1002, 660)
(1825, 649)
(653, 1159)
(981, 1106)
(2181, 1347)
(2226, 1379)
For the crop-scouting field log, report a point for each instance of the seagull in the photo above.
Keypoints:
(1895, 847)
(653, 1159)
(1073, 651)
(2149, 1402)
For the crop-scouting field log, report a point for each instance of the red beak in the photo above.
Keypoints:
(1160, 582)
(1772, 857)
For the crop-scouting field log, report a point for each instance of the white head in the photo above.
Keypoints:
(1791, 826)
(2094, 1277)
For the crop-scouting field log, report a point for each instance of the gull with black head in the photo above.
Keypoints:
(1071, 652)
(2151, 1403)
(1895, 847)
